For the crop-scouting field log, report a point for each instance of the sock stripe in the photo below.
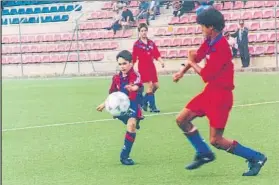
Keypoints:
(129, 137)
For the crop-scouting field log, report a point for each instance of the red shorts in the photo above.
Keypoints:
(148, 74)
(215, 104)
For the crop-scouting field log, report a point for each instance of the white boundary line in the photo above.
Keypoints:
(104, 120)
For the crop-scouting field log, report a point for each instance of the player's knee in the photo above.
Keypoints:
(216, 142)
(131, 125)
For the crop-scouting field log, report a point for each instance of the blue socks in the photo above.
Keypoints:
(128, 143)
(198, 143)
(150, 98)
(245, 152)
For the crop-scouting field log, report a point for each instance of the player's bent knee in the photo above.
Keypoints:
(131, 125)
(216, 142)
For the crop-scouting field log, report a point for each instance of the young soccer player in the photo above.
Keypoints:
(127, 81)
(145, 51)
(216, 100)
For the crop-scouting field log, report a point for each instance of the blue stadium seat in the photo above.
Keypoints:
(4, 21)
(33, 20)
(5, 12)
(69, 8)
(21, 11)
(15, 21)
(65, 18)
(53, 9)
(46, 19)
(37, 10)
(62, 9)
(45, 10)
(13, 11)
(56, 18)
(29, 11)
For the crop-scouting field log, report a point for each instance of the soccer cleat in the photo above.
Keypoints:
(201, 159)
(127, 161)
(255, 166)
(155, 110)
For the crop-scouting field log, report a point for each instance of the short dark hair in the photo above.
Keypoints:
(125, 54)
(142, 25)
(211, 17)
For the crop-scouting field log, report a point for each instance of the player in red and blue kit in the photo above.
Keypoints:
(127, 81)
(216, 100)
(145, 51)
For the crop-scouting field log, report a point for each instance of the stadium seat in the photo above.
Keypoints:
(192, 19)
(107, 5)
(259, 50)
(268, 14)
(158, 43)
(252, 38)
(227, 16)
(95, 46)
(65, 18)
(263, 37)
(187, 42)
(182, 54)
(5, 12)
(254, 26)
(238, 5)
(45, 10)
(228, 6)
(61, 9)
(174, 20)
(247, 16)
(272, 37)
(172, 54)
(180, 31)
(163, 53)
(191, 30)
(270, 50)
(197, 41)
(53, 9)
(249, 5)
(235, 16)
(269, 3)
(267, 26)
(176, 42)
(42, 48)
(161, 32)
(69, 8)
(259, 4)
(166, 43)
(57, 37)
(258, 15)
(184, 20)
(114, 45)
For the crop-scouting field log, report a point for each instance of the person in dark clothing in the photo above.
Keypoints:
(241, 36)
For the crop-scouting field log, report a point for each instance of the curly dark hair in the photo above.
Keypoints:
(211, 17)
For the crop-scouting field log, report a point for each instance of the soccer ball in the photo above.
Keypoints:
(117, 103)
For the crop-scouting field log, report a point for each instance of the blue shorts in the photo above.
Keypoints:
(134, 112)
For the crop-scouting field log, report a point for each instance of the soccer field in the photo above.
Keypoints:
(52, 134)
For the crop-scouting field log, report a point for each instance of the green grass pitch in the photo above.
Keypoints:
(45, 151)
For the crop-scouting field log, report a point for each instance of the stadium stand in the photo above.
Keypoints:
(174, 36)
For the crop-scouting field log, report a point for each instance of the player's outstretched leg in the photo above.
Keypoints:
(130, 137)
(255, 159)
(203, 152)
